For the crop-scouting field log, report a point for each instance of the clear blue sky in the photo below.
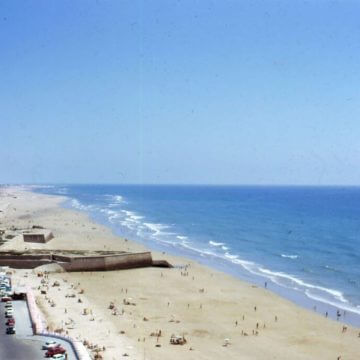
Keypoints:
(210, 92)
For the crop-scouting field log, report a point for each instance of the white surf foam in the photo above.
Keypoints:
(331, 296)
(190, 246)
(132, 216)
(230, 256)
(214, 243)
(157, 229)
(112, 215)
(115, 200)
(355, 309)
(289, 256)
(78, 205)
(292, 279)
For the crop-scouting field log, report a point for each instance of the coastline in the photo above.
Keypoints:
(204, 305)
(295, 285)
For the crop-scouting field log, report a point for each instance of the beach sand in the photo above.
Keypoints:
(209, 308)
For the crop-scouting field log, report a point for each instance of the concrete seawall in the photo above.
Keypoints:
(108, 262)
(23, 264)
(24, 261)
(79, 263)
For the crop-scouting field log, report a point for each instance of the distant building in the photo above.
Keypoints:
(41, 237)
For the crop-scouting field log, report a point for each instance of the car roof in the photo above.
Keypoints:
(50, 342)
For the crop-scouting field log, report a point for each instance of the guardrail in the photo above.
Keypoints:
(39, 328)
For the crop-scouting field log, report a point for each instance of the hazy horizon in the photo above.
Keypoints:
(185, 185)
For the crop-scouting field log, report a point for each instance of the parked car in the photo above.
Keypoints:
(54, 351)
(10, 322)
(50, 345)
(9, 313)
(10, 330)
(59, 357)
(6, 298)
(8, 304)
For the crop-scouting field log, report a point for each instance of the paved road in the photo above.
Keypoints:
(23, 346)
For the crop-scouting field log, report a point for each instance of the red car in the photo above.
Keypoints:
(5, 299)
(10, 322)
(54, 351)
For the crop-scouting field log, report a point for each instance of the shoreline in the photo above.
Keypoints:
(348, 315)
(208, 317)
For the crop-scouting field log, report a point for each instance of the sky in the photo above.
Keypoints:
(180, 92)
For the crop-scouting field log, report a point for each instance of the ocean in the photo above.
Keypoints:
(303, 242)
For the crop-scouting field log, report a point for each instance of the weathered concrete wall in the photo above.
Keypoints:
(42, 237)
(61, 258)
(24, 261)
(81, 263)
(128, 261)
(161, 263)
(111, 262)
(25, 257)
(85, 264)
(23, 264)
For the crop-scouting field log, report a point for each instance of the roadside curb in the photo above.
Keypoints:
(39, 328)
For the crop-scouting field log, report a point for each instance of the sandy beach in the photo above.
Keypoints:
(219, 315)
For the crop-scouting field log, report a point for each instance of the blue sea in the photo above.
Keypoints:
(303, 242)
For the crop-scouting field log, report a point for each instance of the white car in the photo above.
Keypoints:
(59, 357)
(9, 313)
(49, 345)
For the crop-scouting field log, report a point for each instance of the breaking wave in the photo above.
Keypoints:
(213, 243)
(289, 256)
